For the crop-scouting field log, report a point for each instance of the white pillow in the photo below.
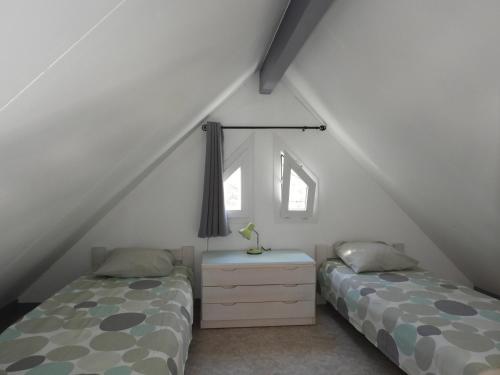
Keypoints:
(373, 256)
(337, 245)
(137, 262)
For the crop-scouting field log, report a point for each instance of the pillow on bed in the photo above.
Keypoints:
(137, 262)
(337, 245)
(374, 256)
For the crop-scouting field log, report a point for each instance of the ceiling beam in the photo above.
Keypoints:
(299, 20)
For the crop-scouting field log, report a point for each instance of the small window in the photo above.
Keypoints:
(238, 181)
(232, 191)
(298, 189)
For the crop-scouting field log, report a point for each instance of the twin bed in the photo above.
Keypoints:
(121, 326)
(424, 324)
(106, 325)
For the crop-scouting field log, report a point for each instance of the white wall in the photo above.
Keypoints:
(163, 211)
(92, 94)
(412, 89)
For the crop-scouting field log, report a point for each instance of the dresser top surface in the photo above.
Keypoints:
(225, 257)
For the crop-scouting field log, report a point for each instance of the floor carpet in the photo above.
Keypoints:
(332, 346)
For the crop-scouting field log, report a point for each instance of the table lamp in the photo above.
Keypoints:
(246, 232)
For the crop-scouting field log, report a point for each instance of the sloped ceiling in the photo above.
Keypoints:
(94, 91)
(412, 89)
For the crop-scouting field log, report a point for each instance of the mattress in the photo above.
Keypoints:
(424, 324)
(105, 326)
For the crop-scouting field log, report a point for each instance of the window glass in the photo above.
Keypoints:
(297, 188)
(297, 198)
(232, 191)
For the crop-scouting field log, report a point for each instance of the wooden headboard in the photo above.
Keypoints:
(323, 252)
(184, 255)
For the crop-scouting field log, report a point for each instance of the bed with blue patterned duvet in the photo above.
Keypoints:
(110, 326)
(424, 324)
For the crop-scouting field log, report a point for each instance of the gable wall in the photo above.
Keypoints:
(163, 211)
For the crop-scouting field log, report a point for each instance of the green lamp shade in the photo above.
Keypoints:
(247, 231)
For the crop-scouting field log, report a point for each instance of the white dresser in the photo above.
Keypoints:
(240, 290)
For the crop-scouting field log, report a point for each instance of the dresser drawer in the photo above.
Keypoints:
(290, 274)
(258, 293)
(259, 310)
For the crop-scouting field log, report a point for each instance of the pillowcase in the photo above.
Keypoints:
(374, 256)
(337, 245)
(137, 262)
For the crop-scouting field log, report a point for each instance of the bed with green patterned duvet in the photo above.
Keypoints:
(424, 324)
(110, 326)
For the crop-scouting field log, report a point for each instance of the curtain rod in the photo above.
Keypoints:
(303, 128)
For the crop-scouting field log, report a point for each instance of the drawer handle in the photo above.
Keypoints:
(291, 286)
(291, 268)
(290, 302)
(228, 304)
(229, 286)
(229, 269)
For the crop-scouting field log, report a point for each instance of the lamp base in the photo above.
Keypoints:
(254, 251)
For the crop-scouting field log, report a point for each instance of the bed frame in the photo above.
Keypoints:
(184, 255)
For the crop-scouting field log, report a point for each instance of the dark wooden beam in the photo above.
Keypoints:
(299, 20)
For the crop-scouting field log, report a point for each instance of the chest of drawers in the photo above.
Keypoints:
(241, 290)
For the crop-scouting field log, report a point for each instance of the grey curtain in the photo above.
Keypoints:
(213, 221)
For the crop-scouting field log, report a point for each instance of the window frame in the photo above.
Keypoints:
(290, 164)
(242, 158)
(282, 186)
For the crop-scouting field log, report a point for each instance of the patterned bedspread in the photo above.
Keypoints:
(424, 324)
(105, 326)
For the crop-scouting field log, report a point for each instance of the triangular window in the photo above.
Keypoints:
(298, 189)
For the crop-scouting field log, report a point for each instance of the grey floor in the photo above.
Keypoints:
(332, 346)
